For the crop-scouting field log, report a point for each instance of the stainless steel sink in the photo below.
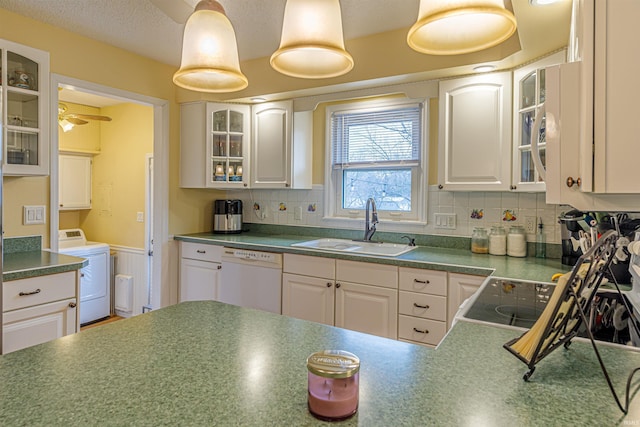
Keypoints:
(356, 247)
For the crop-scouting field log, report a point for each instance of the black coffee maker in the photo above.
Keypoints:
(570, 228)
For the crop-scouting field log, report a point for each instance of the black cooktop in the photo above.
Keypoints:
(509, 302)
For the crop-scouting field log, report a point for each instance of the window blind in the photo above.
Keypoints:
(385, 138)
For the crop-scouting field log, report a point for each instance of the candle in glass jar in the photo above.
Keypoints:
(333, 387)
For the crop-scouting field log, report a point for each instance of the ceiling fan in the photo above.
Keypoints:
(78, 119)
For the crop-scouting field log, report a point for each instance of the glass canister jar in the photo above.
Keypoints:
(334, 382)
(498, 241)
(517, 241)
(480, 241)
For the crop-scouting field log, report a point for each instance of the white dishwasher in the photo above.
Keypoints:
(251, 279)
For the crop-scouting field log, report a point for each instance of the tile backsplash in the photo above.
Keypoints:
(472, 209)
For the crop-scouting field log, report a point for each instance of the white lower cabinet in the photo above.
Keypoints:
(365, 308)
(422, 306)
(308, 298)
(200, 266)
(461, 287)
(353, 295)
(39, 309)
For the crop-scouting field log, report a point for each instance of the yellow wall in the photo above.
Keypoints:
(119, 171)
(82, 58)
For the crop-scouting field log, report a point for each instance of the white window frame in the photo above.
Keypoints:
(333, 212)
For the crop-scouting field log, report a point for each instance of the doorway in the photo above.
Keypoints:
(155, 293)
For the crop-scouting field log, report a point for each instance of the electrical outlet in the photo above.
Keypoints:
(530, 224)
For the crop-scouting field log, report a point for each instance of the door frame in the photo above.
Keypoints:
(161, 286)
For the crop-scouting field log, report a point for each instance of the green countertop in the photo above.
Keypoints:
(22, 265)
(435, 258)
(208, 363)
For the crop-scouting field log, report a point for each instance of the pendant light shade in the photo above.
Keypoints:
(312, 44)
(209, 52)
(453, 27)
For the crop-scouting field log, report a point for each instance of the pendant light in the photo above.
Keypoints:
(209, 52)
(453, 27)
(312, 44)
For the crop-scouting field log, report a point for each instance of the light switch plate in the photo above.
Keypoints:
(445, 220)
(34, 215)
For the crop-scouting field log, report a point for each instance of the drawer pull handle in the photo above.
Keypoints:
(426, 331)
(200, 251)
(24, 294)
(424, 282)
(420, 306)
(72, 305)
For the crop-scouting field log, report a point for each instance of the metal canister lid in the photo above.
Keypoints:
(333, 364)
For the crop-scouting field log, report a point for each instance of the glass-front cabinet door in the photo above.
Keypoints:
(228, 145)
(25, 86)
(529, 96)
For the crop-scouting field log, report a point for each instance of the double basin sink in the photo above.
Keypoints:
(356, 247)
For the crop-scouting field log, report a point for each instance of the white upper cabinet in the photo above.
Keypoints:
(214, 145)
(474, 146)
(529, 89)
(271, 147)
(592, 103)
(25, 106)
(74, 184)
(239, 146)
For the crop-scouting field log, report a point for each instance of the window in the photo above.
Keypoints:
(376, 150)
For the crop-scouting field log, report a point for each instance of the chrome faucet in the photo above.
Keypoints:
(370, 226)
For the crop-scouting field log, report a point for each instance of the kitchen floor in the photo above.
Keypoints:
(102, 322)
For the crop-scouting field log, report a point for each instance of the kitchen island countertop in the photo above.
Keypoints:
(208, 363)
(22, 265)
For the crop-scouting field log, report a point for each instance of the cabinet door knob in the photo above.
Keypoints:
(513, 187)
(24, 294)
(72, 305)
(328, 284)
(571, 182)
(440, 186)
(219, 267)
(338, 285)
(423, 331)
(420, 306)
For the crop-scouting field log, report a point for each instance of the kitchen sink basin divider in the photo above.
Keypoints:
(565, 313)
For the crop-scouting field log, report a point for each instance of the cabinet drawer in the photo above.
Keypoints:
(38, 290)
(201, 251)
(35, 325)
(413, 304)
(313, 266)
(423, 281)
(421, 330)
(367, 273)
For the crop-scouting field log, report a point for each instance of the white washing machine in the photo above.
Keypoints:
(95, 289)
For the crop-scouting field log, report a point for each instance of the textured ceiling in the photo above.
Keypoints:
(139, 26)
(143, 28)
